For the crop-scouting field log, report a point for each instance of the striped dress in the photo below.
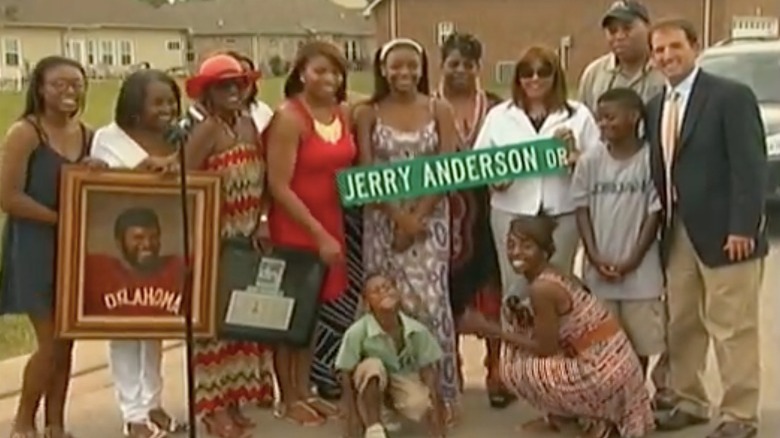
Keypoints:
(601, 384)
(231, 373)
(336, 316)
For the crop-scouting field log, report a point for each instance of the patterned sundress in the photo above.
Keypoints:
(601, 384)
(232, 373)
(421, 273)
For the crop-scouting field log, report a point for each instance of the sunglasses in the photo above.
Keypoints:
(528, 71)
(227, 84)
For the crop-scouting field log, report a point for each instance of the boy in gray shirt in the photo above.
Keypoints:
(618, 215)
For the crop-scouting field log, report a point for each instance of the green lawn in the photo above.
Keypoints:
(16, 337)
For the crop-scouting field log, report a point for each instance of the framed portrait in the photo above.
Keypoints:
(120, 258)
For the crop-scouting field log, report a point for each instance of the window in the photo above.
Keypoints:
(12, 52)
(443, 30)
(173, 45)
(352, 50)
(504, 71)
(758, 70)
(91, 53)
(126, 53)
(107, 52)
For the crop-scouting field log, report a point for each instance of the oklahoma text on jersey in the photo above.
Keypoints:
(156, 297)
(113, 288)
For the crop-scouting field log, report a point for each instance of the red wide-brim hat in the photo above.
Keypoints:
(215, 69)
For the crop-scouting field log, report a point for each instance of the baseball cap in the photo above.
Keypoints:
(626, 10)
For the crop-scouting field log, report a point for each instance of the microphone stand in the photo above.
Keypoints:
(187, 289)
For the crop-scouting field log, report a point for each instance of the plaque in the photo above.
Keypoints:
(269, 298)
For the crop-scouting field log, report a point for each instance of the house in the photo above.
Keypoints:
(270, 31)
(570, 26)
(108, 37)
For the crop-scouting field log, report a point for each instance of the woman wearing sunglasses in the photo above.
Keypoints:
(538, 108)
(227, 373)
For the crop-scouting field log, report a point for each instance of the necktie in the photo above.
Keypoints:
(670, 131)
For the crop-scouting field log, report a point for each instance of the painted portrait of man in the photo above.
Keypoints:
(140, 280)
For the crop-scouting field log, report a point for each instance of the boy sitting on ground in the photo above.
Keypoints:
(388, 356)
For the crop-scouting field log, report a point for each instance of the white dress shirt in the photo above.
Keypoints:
(507, 124)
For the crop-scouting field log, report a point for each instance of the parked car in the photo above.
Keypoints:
(755, 63)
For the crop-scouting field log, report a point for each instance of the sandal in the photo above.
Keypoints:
(223, 429)
(309, 417)
(165, 422)
(240, 419)
(329, 392)
(600, 429)
(143, 430)
(498, 396)
(323, 407)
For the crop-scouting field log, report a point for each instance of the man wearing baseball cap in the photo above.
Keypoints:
(626, 24)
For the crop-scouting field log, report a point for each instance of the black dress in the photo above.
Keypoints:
(27, 281)
(474, 276)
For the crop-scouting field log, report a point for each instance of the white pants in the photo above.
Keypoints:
(136, 368)
(565, 237)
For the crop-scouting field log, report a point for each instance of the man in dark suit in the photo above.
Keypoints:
(709, 164)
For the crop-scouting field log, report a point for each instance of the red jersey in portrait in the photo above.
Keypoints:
(115, 288)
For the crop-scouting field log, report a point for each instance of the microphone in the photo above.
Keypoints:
(177, 132)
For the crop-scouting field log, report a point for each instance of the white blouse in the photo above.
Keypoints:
(507, 124)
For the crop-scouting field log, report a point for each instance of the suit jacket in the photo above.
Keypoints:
(720, 167)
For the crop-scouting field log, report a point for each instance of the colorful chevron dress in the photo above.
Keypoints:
(230, 373)
(597, 380)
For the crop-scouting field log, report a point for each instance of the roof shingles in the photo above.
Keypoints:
(87, 13)
(271, 17)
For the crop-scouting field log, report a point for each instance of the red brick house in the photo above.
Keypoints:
(572, 26)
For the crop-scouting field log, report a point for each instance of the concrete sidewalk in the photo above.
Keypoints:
(93, 412)
(88, 357)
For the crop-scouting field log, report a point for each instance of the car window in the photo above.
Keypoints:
(759, 71)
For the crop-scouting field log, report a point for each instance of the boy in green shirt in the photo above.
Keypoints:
(386, 355)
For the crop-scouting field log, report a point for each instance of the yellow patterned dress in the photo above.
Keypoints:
(598, 379)
(231, 373)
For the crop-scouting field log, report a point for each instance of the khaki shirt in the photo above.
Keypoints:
(604, 74)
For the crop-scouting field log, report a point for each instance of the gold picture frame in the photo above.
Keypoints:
(120, 258)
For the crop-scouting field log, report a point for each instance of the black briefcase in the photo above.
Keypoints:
(268, 298)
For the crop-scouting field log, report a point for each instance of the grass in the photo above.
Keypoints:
(16, 336)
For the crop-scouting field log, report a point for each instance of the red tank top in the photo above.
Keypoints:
(314, 182)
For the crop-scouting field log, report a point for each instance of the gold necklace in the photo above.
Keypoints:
(330, 132)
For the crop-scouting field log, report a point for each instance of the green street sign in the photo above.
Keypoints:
(450, 172)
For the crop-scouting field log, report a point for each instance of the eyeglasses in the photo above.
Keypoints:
(62, 85)
(528, 71)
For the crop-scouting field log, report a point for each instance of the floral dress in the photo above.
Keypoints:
(422, 271)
